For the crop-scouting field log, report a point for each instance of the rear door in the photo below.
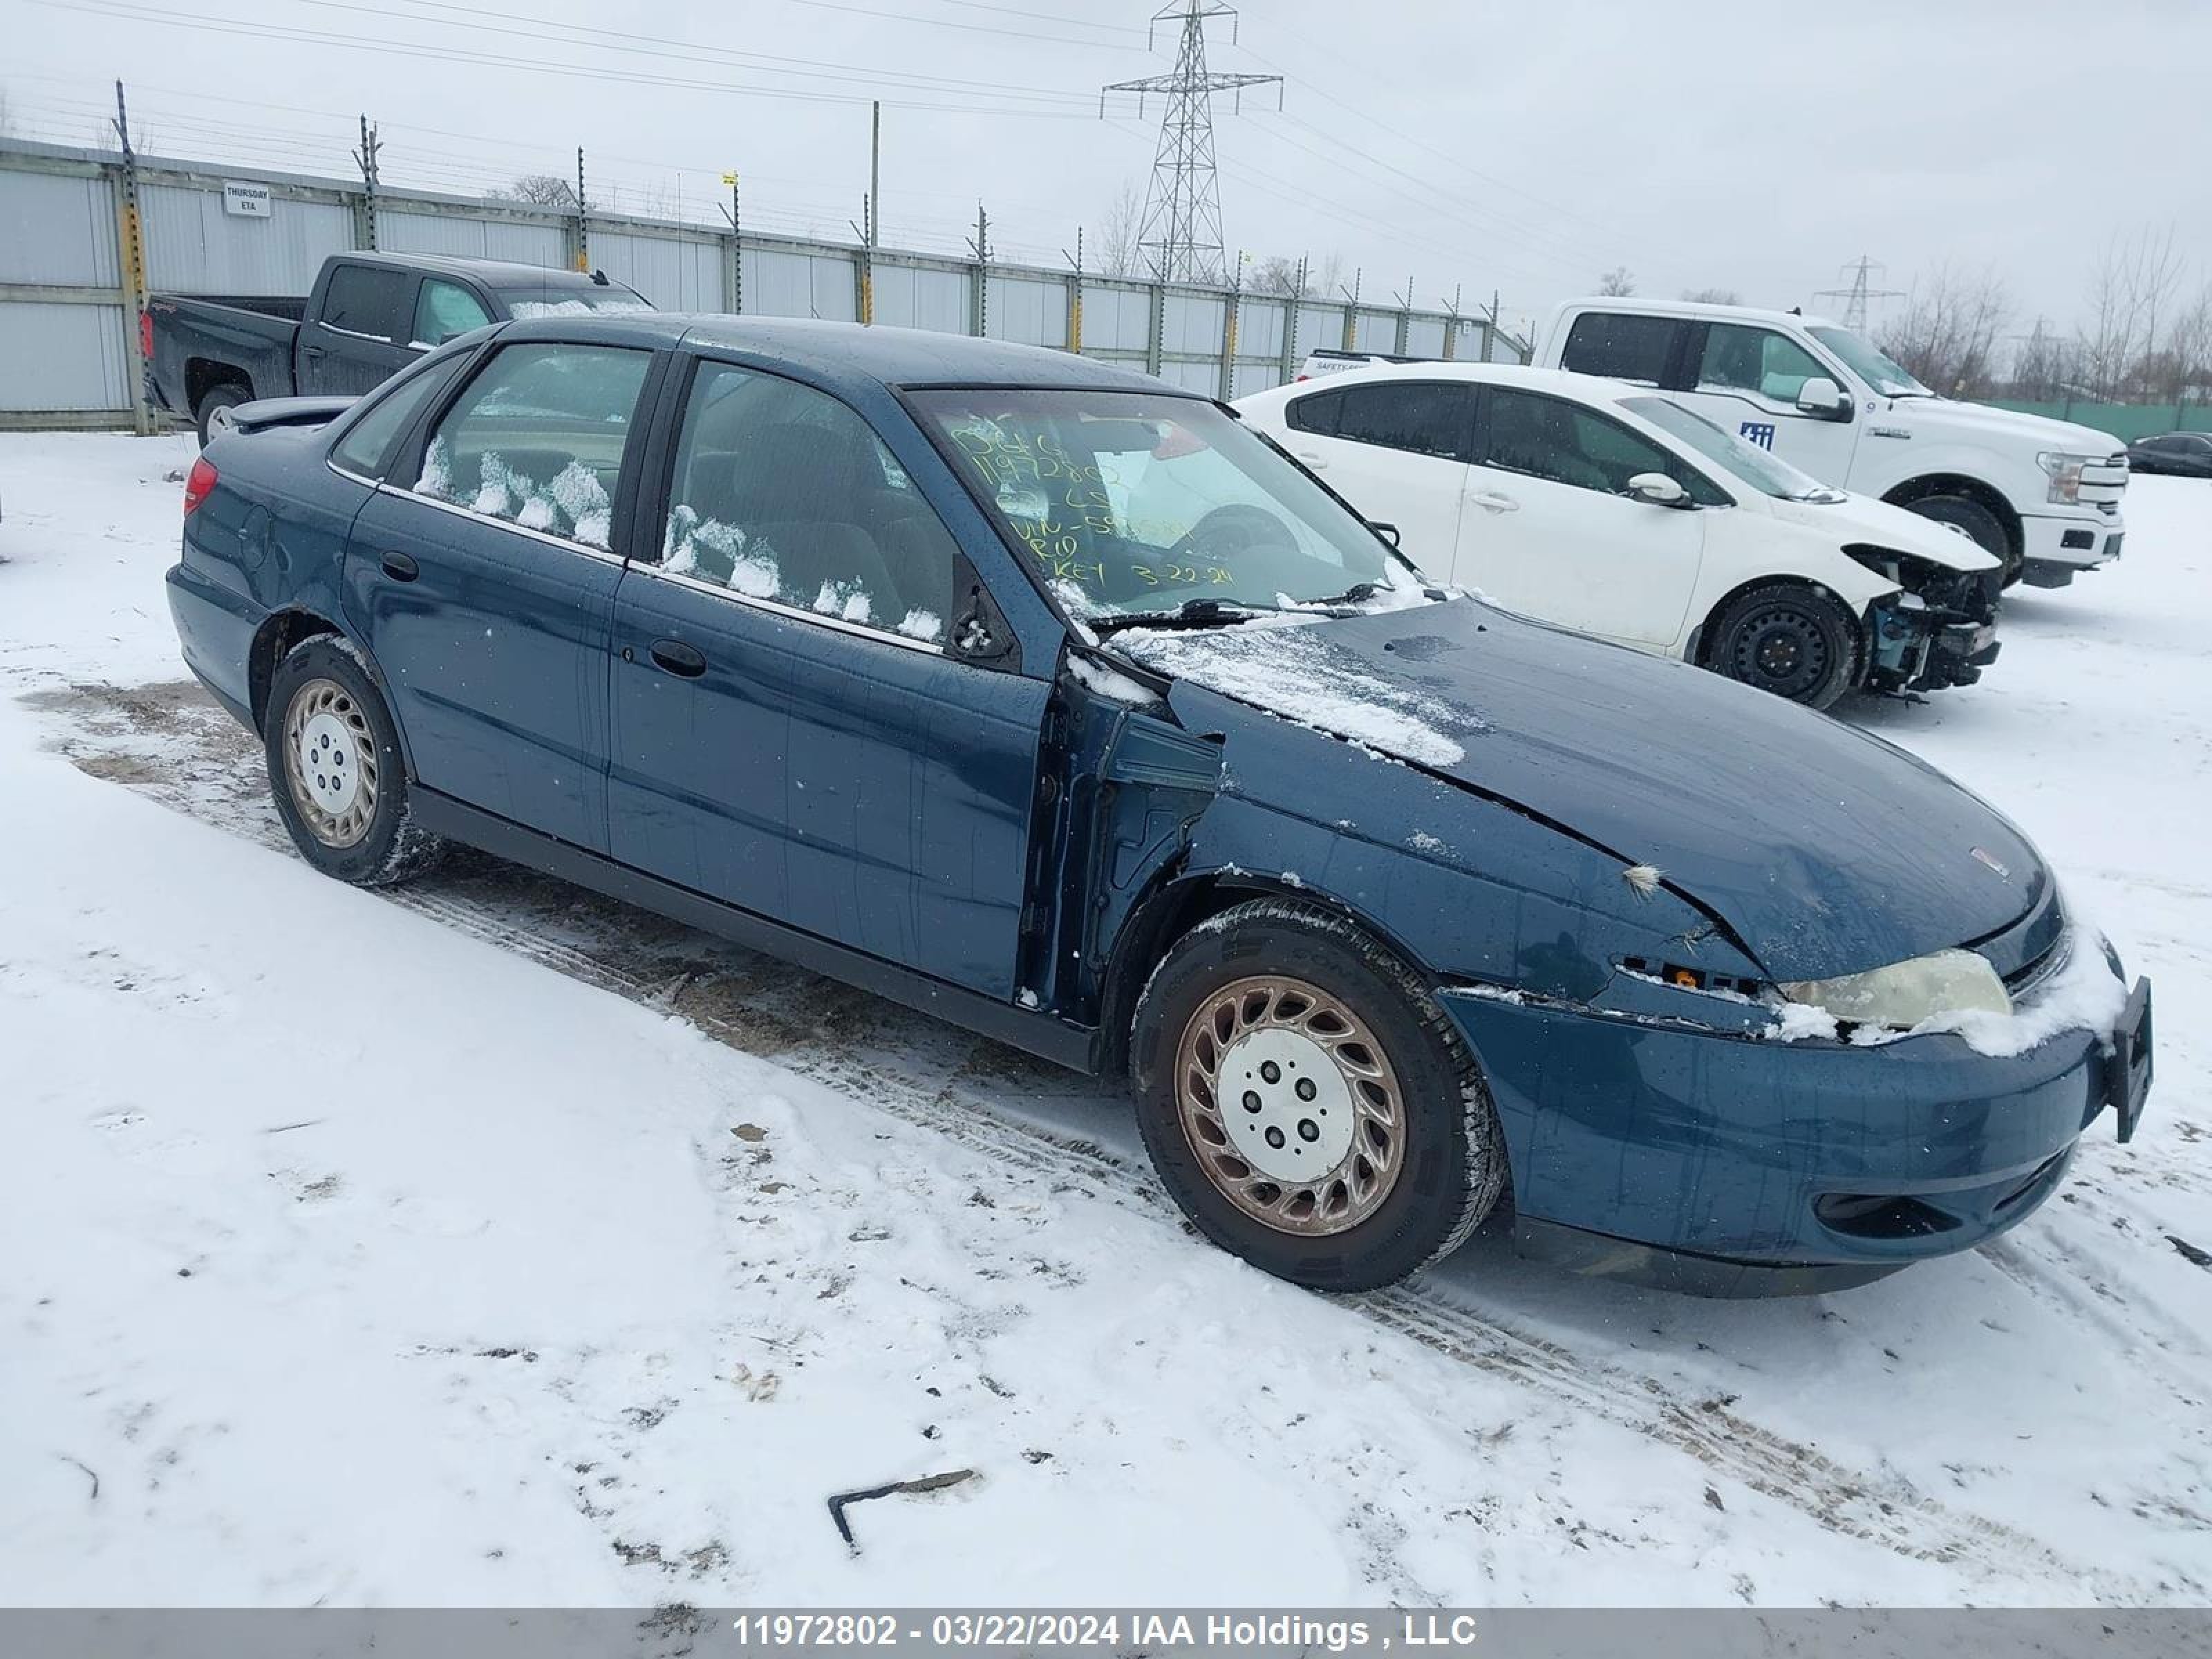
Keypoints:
(1552, 534)
(1398, 451)
(794, 733)
(482, 578)
(360, 336)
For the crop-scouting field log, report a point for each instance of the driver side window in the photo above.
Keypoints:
(1759, 360)
(1551, 438)
(782, 493)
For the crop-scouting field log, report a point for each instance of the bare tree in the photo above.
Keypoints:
(538, 189)
(1712, 296)
(2044, 367)
(2134, 284)
(2185, 365)
(1118, 253)
(1279, 275)
(1949, 334)
(1618, 283)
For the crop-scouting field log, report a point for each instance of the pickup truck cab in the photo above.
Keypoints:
(368, 316)
(2042, 496)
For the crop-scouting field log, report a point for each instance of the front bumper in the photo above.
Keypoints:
(1732, 1165)
(1915, 646)
(2056, 549)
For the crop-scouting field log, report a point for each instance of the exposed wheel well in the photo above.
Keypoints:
(1172, 910)
(1699, 652)
(1973, 489)
(275, 638)
(203, 374)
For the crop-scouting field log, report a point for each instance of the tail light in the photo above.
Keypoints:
(199, 485)
(145, 335)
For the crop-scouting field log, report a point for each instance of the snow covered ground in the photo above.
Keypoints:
(491, 1244)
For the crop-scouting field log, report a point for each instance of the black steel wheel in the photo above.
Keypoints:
(1792, 641)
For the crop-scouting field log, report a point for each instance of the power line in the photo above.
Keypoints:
(1183, 202)
(1855, 296)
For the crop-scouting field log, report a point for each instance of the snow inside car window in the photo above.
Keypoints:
(783, 493)
(538, 438)
(1132, 502)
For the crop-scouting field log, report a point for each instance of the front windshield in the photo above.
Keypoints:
(1755, 466)
(1877, 369)
(1136, 503)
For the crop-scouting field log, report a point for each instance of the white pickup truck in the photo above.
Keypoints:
(2042, 496)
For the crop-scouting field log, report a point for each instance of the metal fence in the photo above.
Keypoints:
(85, 235)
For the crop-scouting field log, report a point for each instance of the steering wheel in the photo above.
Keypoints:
(1232, 531)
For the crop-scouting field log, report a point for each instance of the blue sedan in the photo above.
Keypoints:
(1048, 698)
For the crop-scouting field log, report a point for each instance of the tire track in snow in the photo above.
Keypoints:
(792, 1019)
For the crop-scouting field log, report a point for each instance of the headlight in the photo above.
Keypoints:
(1906, 993)
(2065, 473)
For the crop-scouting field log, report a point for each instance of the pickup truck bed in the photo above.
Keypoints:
(368, 316)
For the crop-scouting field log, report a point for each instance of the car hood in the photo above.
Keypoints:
(1862, 519)
(1825, 850)
(1936, 416)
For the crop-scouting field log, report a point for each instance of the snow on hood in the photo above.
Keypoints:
(1864, 519)
(1826, 850)
(1978, 420)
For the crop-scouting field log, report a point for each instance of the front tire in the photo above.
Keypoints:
(336, 771)
(1789, 640)
(1982, 527)
(1308, 1104)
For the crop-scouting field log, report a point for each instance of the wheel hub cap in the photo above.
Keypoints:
(1291, 1105)
(330, 762)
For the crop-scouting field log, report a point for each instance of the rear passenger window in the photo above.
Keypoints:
(367, 443)
(370, 300)
(1315, 413)
(536, 440)
(1620, 347)
(1421, 418)
(783, 493)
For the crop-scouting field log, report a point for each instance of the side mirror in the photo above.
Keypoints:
(1823, 397)
(1657, 489)
(1389, 532)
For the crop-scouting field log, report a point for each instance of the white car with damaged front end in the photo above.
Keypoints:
(1612, 510)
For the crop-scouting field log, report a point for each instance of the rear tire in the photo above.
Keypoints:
(215, 403)
(1789, 640)
(1986, 530)
(336, 771)
(1374, 1149)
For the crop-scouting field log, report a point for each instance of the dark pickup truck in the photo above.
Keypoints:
(368, 317)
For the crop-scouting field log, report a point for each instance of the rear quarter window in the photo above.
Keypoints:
(1621, 347)
(1315, 413)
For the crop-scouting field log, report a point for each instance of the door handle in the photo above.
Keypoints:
(313, 354)
(400, 567)
(678, 658)
(1312, 463)
(1491, 501)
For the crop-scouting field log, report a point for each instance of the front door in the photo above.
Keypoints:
(483, 582)
(791, 734)
(1745, 379)
(1552, 534)
(361, 337)
(1397, 450)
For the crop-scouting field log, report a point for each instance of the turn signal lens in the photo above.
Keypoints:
(199, 485)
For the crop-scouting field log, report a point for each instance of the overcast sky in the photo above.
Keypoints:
(1524, 148)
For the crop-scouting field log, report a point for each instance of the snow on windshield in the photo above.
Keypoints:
(1294, 671)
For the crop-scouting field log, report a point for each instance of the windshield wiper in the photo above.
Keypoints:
(1191, 613)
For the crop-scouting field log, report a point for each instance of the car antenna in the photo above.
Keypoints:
(600, 278)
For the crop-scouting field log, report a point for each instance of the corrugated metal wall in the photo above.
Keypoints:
(65, 349)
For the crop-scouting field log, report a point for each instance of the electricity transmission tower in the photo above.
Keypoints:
(1855, 296)
(1182, 228)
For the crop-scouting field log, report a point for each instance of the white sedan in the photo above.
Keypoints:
(1608, 509)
